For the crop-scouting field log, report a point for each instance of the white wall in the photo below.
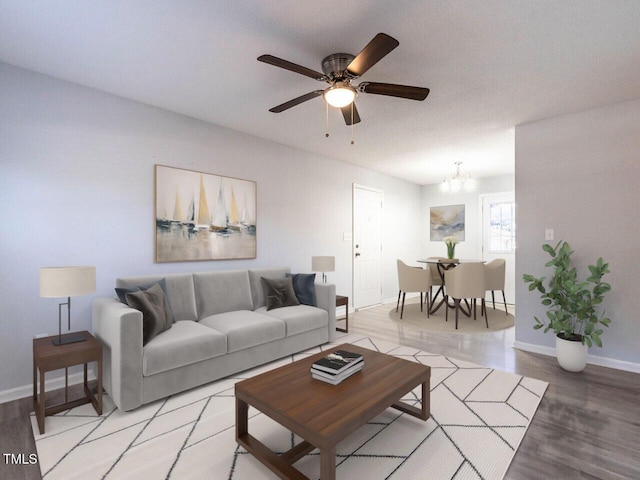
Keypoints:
(433, 196)
(580, 175)
(77, 187)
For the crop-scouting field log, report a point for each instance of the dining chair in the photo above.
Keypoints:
(466, 281)
(413, 280)
(494, 272)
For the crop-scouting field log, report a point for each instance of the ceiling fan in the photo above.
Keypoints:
(340, 69)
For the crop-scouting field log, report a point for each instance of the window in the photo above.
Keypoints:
(502, 227)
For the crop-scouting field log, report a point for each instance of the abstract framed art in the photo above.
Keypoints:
(446, 221)
(200, 216)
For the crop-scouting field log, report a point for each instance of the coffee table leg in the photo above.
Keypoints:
(242, 415)
(328, 463)
(426, 400)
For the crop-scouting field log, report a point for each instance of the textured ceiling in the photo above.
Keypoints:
(490, 65)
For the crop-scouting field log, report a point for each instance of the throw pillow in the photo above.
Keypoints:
(279, 292)
(122, 292)
(153, 305)
(304, 287)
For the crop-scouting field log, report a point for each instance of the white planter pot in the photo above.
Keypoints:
(571, 355)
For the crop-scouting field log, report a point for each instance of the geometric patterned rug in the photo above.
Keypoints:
(479, 416)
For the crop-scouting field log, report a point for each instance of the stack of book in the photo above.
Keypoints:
(337, 366)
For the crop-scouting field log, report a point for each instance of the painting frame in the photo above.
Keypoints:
(445, 221)
(213, 217)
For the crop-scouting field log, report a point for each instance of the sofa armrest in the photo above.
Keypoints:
(326, 300)
(119, 329)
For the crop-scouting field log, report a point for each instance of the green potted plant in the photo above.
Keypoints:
(572, 305)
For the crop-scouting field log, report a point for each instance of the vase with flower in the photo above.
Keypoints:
(451, 243)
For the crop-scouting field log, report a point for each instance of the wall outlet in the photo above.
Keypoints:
(548, 234)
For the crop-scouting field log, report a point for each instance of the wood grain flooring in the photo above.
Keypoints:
(586, 427)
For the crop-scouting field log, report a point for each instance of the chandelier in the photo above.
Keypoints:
(460, 179)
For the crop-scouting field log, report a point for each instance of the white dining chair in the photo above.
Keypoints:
(494, 273)
(413, 280)
(466, 281)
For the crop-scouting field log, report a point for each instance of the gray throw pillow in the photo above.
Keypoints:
(279, 292)
(305, 288)
(122, 294)
(155, 311)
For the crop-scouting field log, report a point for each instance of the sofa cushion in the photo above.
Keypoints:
(156, 316)
(257, 292)
(299, 319)
(219, 292)
(179, 290)
(304, 284)
(245, 328)
(279, 292)
(185, 343)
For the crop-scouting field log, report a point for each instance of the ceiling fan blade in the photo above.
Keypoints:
(296, 101)
(401, 91)
(346, 113)
(279, 62)
(375, 50)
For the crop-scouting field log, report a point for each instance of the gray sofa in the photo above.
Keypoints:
(222, 327)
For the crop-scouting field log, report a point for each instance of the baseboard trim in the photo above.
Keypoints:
(592, 359)
(49, 384)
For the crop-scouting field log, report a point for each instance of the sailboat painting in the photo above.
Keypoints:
(214, 217)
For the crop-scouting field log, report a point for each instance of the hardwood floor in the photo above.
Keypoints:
(586, 427)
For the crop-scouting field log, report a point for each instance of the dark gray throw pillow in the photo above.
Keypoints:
(279, 292)
(122, 294)
(155, 311)
(304, 287)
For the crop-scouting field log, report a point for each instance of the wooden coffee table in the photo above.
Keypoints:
(324, 414)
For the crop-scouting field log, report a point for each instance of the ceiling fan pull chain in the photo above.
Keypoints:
(327, 119)
(352, 139)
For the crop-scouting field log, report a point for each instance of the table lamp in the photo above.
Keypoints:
(323, 264)
(66, 282)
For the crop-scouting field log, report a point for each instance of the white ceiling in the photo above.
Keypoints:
(490, 65)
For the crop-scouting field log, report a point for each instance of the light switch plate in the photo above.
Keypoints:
(548, 234)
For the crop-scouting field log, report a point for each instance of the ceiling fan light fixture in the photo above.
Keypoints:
(340, 95)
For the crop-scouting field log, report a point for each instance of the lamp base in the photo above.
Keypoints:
(68, 339)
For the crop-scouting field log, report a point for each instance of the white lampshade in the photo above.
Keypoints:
(323, 264)
(67, 281)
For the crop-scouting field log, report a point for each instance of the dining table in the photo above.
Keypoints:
(444, 264)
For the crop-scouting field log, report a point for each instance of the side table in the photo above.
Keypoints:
(343, 301)
(48, 357)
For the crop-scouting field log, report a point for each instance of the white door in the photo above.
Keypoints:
(367, 246)
(499, 237)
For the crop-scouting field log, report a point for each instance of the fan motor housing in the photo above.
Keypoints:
(335, 64)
